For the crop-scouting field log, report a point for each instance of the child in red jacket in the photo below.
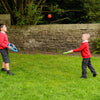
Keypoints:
(4, 49)
(86, 55)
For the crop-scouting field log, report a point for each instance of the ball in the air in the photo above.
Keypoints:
(49, 16)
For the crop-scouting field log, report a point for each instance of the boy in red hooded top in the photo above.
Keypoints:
(4, 49)
(86, 55)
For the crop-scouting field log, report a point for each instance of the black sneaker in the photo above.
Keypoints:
(3, 69)
(10, 73)
(94, 75)
(83, 77)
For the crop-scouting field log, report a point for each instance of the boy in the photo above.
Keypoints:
(86, 55)
(4, 49)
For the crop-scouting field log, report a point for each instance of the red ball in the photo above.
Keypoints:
(49, 16)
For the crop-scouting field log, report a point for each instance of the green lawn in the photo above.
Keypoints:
(49, 77)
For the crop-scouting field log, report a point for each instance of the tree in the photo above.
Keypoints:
(63, 11)
(20, 10)
(92, 9)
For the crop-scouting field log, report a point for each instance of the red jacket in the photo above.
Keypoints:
(3, 40)
(84, 48)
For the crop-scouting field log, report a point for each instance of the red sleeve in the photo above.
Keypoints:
(81, 48)
(2, 41)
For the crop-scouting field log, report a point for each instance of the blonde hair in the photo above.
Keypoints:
(87, 35)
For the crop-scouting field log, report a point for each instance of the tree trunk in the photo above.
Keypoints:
(5, 7)
(20, 6)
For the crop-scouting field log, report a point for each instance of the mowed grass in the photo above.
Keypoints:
(49, 77)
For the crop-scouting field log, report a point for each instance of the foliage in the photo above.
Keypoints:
(1, 9)
(30, 16)
(24, 11)
(55, 11)
(92, 8)
(96, 45)
(63, 11)
(70, 12)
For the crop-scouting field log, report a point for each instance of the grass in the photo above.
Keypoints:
(49, 77)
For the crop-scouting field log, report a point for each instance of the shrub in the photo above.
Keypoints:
(96, 45)
(30, 16)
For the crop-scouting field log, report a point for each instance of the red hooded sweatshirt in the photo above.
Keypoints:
(84, 48)
(3, 40)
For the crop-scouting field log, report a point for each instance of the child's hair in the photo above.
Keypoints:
(87, 35)
(1, 26)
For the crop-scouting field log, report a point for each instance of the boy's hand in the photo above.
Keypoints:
(8, 47)
(71, 51)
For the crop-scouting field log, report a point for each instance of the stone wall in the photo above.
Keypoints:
(51, 37)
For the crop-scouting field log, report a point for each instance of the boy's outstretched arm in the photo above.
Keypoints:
(80, 48)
